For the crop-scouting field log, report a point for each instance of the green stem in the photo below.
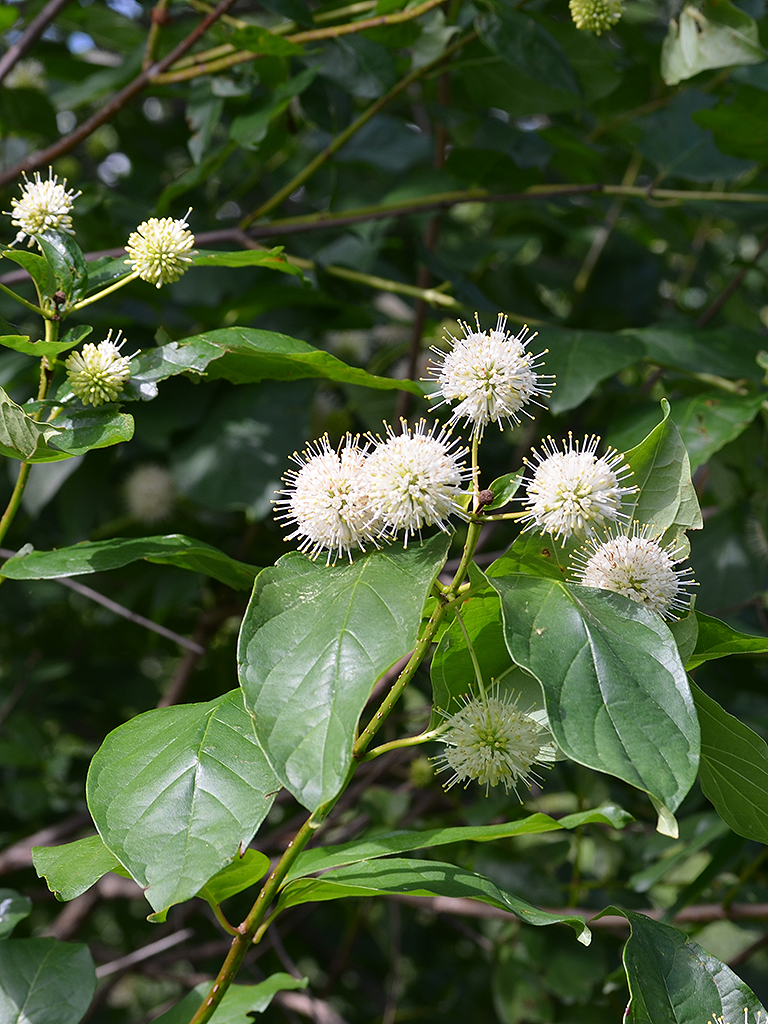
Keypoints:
(30, 305)
(105, 291)
(219, 915)
(347, 134)
(472, 654)
(409, 741)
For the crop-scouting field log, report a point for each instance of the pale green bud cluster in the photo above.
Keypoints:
(595, 15)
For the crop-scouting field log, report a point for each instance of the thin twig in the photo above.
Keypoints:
(731, 287)
(31, 33)
(144, 953)
(19, 855)
(44, 156)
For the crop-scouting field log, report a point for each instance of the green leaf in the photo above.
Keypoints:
(616, 692)
(269, 258)
(261, 40)
(728, 351)
(534, 555)
(387, 843)
(47, 348)
(314, 640)
(526, 46)
(419, 878)
(177, 792)
(717, 639)
(734, 769)
(241, 874)
(8, 16)
(238, 1001)
(44, 981)
(81, 430)
(248, 130)
(580, 360)
(105, 271)
(716, 35)
(13, 908)
(67, 262)
(101, 556)
(504, 489)
(740, 126)
(36, 267)
(21, 437)
(672, 979)
(73, 868)
(662, 472)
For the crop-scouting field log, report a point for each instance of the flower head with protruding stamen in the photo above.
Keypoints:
(489, 739)
(574, 491)
(160, 251)
(45, 205)
(595, 15)
(720, 1019)
(635, 564)
(414, 479)
(98, 373)
(490, 374)
(327, 501)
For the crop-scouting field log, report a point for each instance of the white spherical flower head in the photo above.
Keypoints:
(414, 479)
(490, 740)
(45, 205)
(150, 494)
(491, 375)
(636, 565)
(574, 491)
(160, 250)
(98, 373)
(326, 500)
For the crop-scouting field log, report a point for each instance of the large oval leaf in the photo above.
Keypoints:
(175, 794)
(314, 640)
(616, 691)
(44, 981)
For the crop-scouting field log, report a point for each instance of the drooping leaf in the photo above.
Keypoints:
(715, 35)
(241, 874)
(44, 981)
(388, 843)
(36, 267)
(73, 868)
(314, 640)
(177, 792)
(672, 979)
(734, 769)
(239, 1001)
(615, 689)
(101, 556)
(81, 430)
(13, 908)
(716, 639)
(47, 348)
(20, 436)
(420, 878)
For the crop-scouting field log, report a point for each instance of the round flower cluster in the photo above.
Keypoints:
(341, 500)
(595, 15)
(150, 494)
(574, 491)
(489, 739)
(98, 373)
(160, 251)
(635, 564)
(491, 375)
(45, 205)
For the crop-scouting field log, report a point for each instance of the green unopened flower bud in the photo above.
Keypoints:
(595, 15)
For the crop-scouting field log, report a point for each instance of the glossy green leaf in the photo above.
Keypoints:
(672, 979)
(105, 271)
(314, 640)
(100, 556)
(238, 1001)
(739, 126)
(661, 470)
(717, 639)
(534, 554)
(419, 878)
(387, 843)
(73, 868)
(504, 489)
(272, 259)
(734, 769)
(21, 437)
(177, 792)
(44, 981)
(13, 908)
(707, 422)
(36, 267)
(715, 35)
(81, 430)
(242, 873)
(615, 689)
(580, 360)
(47, 348)
(66, 260)
(526, 46)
